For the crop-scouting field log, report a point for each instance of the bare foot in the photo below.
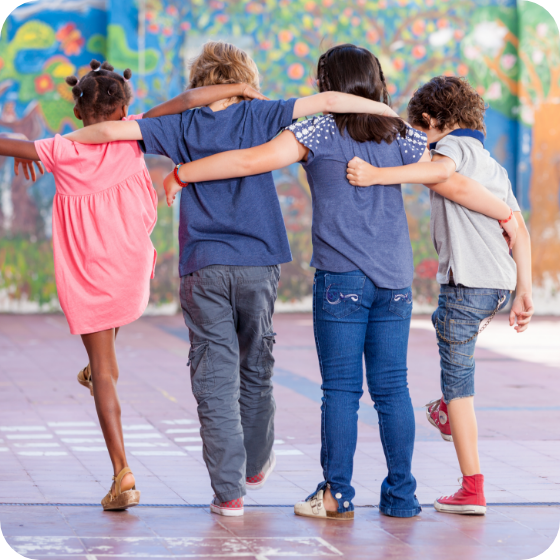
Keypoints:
(126, 484)
(328, 501)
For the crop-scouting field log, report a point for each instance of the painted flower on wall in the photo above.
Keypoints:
(71, 39)
(426, 269)
(43, 84)
(296, 71)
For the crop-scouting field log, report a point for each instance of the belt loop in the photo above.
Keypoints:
(459, 293)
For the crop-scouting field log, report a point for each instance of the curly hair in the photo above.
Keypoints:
(450, 101)
(101, 90)
(351, 69)
(222, 63)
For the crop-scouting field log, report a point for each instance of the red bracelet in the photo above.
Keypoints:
(176, 175)
(510, 217)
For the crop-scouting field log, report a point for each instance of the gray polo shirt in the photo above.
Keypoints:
(468, 243)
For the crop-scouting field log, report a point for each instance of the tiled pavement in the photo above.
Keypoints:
(52, 451)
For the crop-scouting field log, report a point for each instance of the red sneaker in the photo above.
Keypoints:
(257, 482)
(233, 508)
(469, 499)
(437, 416)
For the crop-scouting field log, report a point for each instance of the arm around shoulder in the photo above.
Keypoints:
(108, 131)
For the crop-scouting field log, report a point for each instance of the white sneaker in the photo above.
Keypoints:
(233, 508)
(314, 507)
(257, 482)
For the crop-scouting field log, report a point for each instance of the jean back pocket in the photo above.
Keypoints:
(401, 303)
(343, 294)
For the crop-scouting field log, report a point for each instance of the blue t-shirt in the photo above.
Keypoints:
(357, 228)
(230, 222)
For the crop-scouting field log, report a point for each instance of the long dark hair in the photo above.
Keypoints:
(351, 69)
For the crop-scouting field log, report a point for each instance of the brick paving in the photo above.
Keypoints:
(52, 451)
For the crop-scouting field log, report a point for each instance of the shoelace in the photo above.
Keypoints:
(460, 481)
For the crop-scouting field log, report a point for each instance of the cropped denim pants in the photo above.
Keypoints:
(457, 320)
(354, 319)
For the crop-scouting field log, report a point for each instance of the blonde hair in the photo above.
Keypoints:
(223, 63)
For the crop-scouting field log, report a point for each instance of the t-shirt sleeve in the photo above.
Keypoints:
(412, 146)
(49, 151)
(451, 148)
(273, 115)
(317, 134)
(511, 201)
(161, 136)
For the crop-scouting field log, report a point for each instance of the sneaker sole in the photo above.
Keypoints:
(461, 510)
(226, 512)
(331, 515)
(430, 420)
(260, 484)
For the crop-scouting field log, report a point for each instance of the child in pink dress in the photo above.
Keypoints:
(104, 210)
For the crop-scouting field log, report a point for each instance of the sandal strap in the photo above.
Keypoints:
(119, 477)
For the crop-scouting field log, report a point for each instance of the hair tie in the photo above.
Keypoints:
(97, 69)
(82, 94)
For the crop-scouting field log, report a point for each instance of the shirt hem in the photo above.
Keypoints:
(283, 259)
(110, 325)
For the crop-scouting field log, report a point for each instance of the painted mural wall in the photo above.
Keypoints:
(509, 50)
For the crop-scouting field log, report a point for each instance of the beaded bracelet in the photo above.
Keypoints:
(510, 217)
(176, 175)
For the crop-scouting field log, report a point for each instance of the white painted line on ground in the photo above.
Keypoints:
(178, 422)
(42, 453)
(182, 431)
(30, 436)
(82, 440)
(39, 444)
(145, 444)
(143, 436)
(78, 432)
(188, 439)
(138, 427)
(193, 447)
(4, 449)
(278, 441)
(89, 449)
(23, 429)
(158, 453)
(72, 424)
(288, 452)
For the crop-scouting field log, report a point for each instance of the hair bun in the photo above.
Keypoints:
(72, 80)
(112, 89)
(107, 66)
(95, 64)
(77, 91)
(127, 74)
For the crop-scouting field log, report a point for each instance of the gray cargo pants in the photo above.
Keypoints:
(228, 310)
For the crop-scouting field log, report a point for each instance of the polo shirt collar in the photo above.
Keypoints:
(477, 134)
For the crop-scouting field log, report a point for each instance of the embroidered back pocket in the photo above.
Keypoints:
(343, 294)
(401, 303)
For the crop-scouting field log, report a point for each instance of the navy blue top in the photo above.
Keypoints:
(233, 221)
(357, 228)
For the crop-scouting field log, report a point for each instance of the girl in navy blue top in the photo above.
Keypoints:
(362, 289)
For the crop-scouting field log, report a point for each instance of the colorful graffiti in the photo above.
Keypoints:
(510, 51)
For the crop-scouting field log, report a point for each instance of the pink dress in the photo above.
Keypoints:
(104, 210)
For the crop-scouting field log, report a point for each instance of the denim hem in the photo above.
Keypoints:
(447, 401)
(400, 512)
(231, 495)
(341, 509)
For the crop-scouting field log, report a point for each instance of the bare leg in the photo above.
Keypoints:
(100, 347)
(464, 430)
(328, 500)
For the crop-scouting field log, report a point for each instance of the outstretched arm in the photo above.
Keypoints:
(522, 308)
(113, 131)
(24, 149)
(280, 152)
(336, 102)
(25, 162)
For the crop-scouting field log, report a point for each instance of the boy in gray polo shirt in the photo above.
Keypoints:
(476, 271)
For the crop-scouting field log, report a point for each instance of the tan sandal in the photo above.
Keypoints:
(122, 500)
(84, 378)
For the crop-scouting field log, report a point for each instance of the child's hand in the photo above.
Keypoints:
(28, 169)
(171, 188)
(360, 173)
(251, 93)
(510, 232)
(521, 310)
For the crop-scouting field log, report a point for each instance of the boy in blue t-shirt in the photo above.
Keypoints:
(232, 241)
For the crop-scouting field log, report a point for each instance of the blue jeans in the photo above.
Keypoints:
(354, 318)
(458, 317)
